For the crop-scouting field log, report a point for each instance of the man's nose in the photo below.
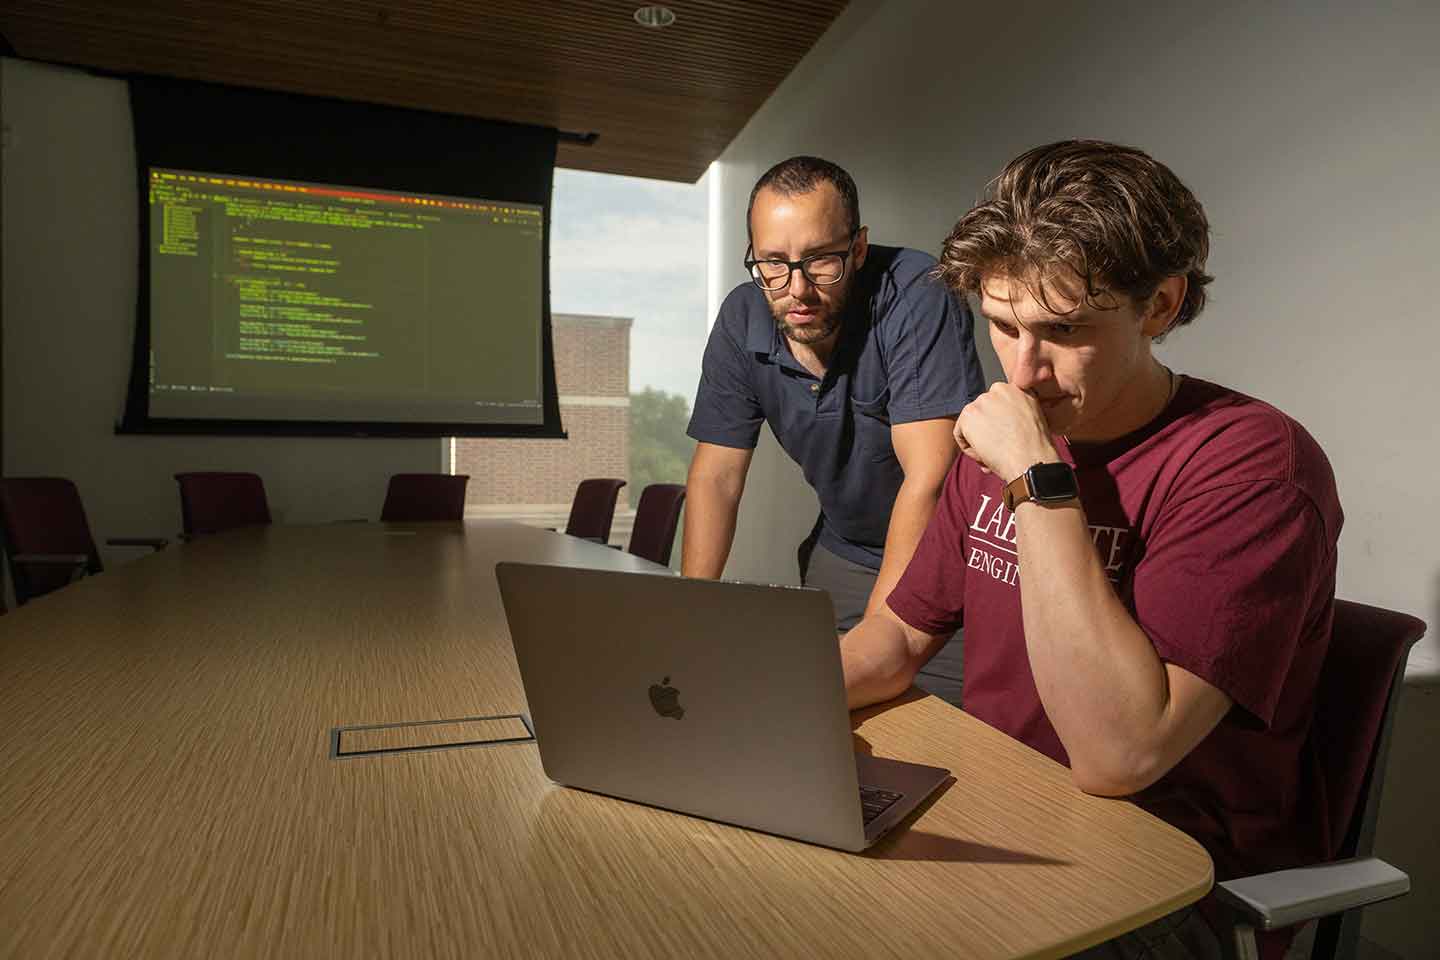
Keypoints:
(1031, 367)
(799, 283)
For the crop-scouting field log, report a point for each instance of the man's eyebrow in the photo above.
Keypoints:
(836, 247)
(1076, 319)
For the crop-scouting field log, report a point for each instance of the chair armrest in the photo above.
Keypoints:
(1287, 897)
(79, 562)
(154, 543)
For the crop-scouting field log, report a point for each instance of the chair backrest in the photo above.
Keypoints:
(593, 509)
(425, 498)
(215, 501)
(656, 518)
(44, 515)
(1359, 688)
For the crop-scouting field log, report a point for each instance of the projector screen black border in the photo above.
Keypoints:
(327, 140)
(160, 426)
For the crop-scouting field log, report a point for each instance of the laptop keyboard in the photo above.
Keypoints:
(874, 801)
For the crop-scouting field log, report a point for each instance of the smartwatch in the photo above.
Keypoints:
(1043, 483)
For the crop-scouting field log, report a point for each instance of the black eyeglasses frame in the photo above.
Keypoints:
(802, 265)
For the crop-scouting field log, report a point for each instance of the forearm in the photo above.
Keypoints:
(914, 506)
(711, 508)
(1103, 686)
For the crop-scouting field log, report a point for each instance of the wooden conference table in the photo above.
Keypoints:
(167, 788)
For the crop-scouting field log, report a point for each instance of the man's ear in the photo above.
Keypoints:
(1165, 306)
(862, 247)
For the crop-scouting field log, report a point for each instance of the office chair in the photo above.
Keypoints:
(47, 535)
(656, 518)
(425, 498)
(213, 501)
(1359, 687)
(593, 509)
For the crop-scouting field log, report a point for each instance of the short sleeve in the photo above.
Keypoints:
(930, 594)
(1228, 582)
(931, 363)
(727, 411)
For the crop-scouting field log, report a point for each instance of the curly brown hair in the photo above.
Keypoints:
(1119, 220)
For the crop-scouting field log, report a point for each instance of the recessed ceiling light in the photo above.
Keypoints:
(655, 16)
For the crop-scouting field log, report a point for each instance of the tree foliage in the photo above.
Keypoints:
(659, 449)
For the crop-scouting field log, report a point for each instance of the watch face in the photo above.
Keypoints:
(1053, 481)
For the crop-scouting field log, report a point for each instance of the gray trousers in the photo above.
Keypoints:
(849, 585)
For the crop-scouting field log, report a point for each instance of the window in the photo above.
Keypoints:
(628, 278)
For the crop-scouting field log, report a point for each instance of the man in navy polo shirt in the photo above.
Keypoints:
(860, 362)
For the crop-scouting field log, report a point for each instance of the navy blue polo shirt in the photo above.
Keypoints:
(906, 352)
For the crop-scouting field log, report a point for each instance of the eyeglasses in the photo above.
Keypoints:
(821, 269)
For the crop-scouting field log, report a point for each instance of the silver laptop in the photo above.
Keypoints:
(721, 700)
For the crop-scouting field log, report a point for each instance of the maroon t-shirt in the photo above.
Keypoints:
(1217, 523)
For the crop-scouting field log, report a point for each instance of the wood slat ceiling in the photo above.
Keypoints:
(664, 102)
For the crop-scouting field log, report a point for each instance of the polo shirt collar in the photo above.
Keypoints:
(762, 336)
(764, 340)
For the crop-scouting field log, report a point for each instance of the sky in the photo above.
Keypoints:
(629, 247)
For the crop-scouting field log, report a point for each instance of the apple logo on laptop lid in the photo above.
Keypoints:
(666, 699)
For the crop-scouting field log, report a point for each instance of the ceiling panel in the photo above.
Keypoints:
(664, 102)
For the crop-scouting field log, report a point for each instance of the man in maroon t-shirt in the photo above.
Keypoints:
(1144, 562)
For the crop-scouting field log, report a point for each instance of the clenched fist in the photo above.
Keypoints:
(1004, 431)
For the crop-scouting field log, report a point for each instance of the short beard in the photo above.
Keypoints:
(813, 333)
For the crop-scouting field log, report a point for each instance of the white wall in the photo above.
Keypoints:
(1310, 131)
(1310, 137)
(70, 251)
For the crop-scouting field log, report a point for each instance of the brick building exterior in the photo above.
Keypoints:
(535, 480)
